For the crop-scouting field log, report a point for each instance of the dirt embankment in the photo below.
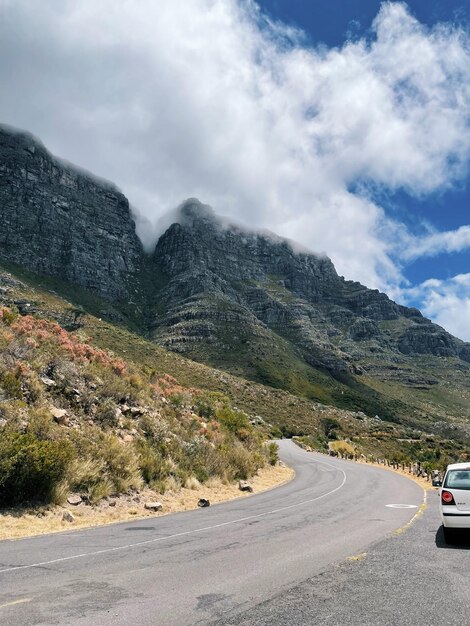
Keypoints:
(26, 522)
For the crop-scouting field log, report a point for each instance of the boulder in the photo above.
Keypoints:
(74, 499)
(68, 517)
(59, 415)
(203, 503)
(136, 411)
(243, 485)
(47, 381)
(153, 506)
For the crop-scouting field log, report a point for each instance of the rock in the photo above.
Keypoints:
(74, 499)
(153, 506)
(363, 330)
(68, 517)
(202, 502)
(136, 410)
(243, 485)
(59, 415)
(47, 381)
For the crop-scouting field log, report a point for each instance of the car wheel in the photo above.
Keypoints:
(448, 534)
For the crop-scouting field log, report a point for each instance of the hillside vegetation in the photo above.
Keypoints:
(92, 407)
(74, 417)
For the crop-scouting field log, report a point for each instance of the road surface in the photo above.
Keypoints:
(208, 565)
(410, 579)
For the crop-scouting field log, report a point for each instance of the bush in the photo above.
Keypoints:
(8, 316)
(207, 403)
(107, 414)
(242, 463)
(272, 453)
(151, 464)
(329, 427)
(11, 384)
(107, 466)
(31, 468)
(235, 422)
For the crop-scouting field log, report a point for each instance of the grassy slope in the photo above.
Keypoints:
(286, 411)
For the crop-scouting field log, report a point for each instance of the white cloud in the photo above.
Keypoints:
(446, 302)
(173, 99)
(436, 243)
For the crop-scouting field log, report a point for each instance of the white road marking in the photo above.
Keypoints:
(182, 534)
(402, 506)
(22, 601)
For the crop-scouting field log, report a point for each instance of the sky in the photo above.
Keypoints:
(341, 124)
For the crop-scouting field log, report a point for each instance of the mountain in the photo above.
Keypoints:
(248, 303)
(61, 221)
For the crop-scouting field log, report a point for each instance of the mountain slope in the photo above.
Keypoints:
(243, 302)
(250, 304)
(272, 411)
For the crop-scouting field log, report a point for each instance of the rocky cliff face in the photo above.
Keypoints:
(217, 275)
(242, 301)
(60, 221)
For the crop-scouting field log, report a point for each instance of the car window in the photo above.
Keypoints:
(458, 479)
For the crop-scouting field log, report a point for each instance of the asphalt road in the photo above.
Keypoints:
(410, 579)
(241, 560)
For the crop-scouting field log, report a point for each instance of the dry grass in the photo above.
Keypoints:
(341, 446)
(425, 484)
(17, 523)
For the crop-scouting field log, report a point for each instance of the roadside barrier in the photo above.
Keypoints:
(414, 469)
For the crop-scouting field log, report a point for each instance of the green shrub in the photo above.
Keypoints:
(8, 316)
(107, 414)
(105, 464)
(151, 463)
(329, 427)
(31, 468)
(272, 453)
(242, 463)
(205, 407)
(11, 384)
(235, 422)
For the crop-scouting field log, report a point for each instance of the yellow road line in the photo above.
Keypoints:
(22, 601)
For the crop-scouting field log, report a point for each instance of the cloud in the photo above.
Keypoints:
(436, 243)
(447, 302)
(209, 98)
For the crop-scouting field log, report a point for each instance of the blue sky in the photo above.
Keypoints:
(331, 23)
(343, 125)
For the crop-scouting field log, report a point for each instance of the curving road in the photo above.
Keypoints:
(210, 564)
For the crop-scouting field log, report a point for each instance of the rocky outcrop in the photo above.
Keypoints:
(430, 339)
(61, 221)
(218, 276)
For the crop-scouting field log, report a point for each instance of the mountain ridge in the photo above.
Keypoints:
(244, 302)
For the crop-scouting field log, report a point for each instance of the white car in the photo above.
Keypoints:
(454, 500)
